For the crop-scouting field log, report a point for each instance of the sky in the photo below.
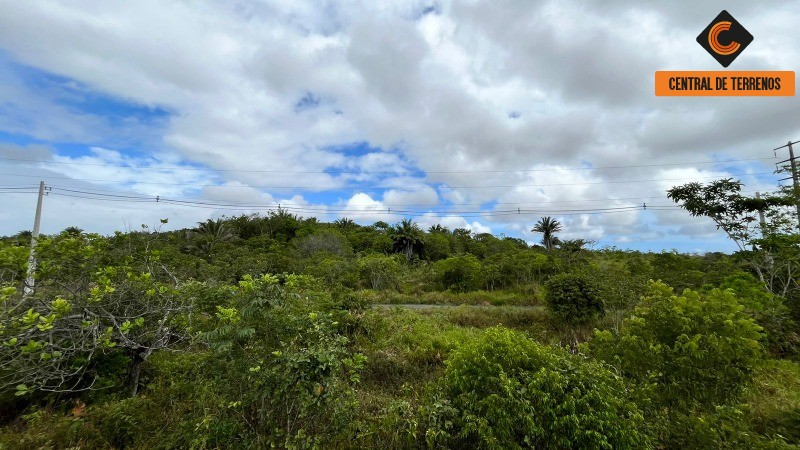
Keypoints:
(485, 115)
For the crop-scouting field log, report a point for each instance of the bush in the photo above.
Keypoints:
(689, 349)
(782, 336)
(506, 391)
(329, 241)
(378, 272)
(291, 367)
(460, 273)
(333, 270)
(304, 394)
(574, 299)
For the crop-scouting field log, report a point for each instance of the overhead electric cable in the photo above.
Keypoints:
(351, 188)
(341, 171)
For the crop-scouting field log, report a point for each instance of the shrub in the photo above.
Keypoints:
(289, 361)
(378, 272)
(331, 269)
(782, 336)
(304, 394)
(506, 391)
(329, 241)
(689, 349)
(574, 299)
(460, 273)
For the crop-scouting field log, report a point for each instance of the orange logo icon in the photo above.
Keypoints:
(724, 38)
(713, 39)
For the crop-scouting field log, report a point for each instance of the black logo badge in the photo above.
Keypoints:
(725, 38)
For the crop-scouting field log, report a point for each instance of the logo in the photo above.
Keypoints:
(725, 38)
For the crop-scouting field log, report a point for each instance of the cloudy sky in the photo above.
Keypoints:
(477, 114)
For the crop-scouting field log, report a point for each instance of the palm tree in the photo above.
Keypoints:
(438, 229)
(207, 235)
(407, 236)
(73, 231)
(574, 245)
(548, 227)
(344, 223)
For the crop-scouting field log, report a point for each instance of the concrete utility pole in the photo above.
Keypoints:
(794, 177)
(28, 288)
(761, 221)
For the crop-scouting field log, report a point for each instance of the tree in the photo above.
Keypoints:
(460, 273)
(282, 225)
(772, 248)
(83, 309)
(24, 235)
(73, 231)
(548, 227)
(407, 237)
(573, 250)
(733, 213)
(330, 241)
(204, 238)
(345, 224)
(438, 228)
(573, 245)
(437, 246)
(380, 225)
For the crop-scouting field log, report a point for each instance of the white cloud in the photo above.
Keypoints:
(492, 88)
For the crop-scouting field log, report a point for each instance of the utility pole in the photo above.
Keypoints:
(795, 181)
(28, 288)
(761, 221)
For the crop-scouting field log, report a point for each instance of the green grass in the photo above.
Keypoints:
(487, 298)
(774, 400)
(409, 346)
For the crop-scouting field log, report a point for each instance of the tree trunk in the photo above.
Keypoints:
(133, 372)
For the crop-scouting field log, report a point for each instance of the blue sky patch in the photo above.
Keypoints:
(80, 116)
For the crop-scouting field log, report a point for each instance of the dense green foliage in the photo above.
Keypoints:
(573, 298)
(506, 391)
(279, 331)
(690, 349)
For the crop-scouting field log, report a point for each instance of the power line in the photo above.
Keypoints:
(334, 189)
(349, 211)
(98, 191)
(340, 171)
(243, 204)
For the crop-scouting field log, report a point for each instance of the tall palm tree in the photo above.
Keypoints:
(548, 227)
(407, 236)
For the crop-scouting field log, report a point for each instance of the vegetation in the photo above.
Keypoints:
(573, 298)
(506, 391)
(548, 227)
(279, 331)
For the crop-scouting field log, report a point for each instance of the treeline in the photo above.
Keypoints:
(400, 257)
